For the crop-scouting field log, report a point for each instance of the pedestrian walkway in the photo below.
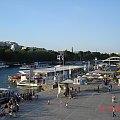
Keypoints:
(85, 106)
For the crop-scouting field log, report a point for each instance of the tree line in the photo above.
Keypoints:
(29, 56)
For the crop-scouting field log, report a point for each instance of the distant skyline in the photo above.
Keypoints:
(92, 25)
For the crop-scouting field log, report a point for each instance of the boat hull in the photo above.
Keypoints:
(27, 84)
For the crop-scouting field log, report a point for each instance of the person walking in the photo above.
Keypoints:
(11, 110)
(48, 102)
(79, 89)
(98, 89)
(17, 106)
(66, 104)
(113, 112)
(111, 87)
(113, 99)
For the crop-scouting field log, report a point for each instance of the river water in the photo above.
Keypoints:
(4, 83)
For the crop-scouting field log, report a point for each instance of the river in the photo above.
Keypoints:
(4, 83)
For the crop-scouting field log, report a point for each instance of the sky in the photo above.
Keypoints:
(92, 25)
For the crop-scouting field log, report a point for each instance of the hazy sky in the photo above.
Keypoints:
(62, 24)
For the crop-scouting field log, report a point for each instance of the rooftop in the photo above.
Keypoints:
(56, 68)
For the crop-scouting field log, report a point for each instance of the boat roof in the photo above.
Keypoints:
(56, 68)
(68, 81)
(103, 72)
(24, 71)
(4, 89)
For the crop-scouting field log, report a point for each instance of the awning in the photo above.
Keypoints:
(102, 72)
(100, 77)
(118, 71)
(84, 76)
(118, 77)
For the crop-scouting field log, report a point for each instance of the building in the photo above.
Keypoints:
(10, 45)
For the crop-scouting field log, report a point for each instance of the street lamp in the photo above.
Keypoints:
(63, 64)
(61, 58)
(88, 65)
(29, 79)
(54, 74)
(30, 73)
(95, 63)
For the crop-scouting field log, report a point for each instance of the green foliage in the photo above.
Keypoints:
(29, 56)
(69, 55)
(113, 54)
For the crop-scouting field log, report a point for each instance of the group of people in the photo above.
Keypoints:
(11, 107)
(13, 104)
(71, 92)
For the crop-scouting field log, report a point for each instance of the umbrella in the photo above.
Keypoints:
(90, 77)
(84, 76)
(101, 77)
(118, 76)
(68, 81)
(87, 73)
(98, 74)
(94, 73)
(118, 71)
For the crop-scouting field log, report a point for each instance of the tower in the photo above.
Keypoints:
(72, 49)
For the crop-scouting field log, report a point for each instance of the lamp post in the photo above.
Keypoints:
(95, 63)
(54, 74)
(109, 63)
(63, 64)
(61, 58)
(88, 65)
(29, 79)
(30, 73)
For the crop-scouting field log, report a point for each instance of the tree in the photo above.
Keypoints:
(69, 56)
(29, 56)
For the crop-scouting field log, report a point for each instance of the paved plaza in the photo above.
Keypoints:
(87, 105)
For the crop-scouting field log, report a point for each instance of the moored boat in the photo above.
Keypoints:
(3, 65)
(4, 95)
(25, 68)
(27, 83)
(27, 80)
